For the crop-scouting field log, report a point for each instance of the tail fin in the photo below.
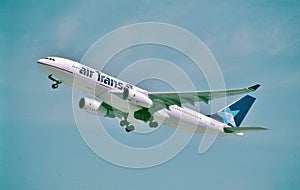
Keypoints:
(234, 113)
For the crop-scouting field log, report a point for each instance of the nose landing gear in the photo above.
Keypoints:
(54, 86)
(57, 82)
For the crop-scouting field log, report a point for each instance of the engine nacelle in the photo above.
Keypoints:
(92, 106)
(137, 98)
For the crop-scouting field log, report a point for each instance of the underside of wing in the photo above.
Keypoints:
(176, 98)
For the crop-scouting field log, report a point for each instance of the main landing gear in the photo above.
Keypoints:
(128, 126)
(153, 124)
(57, 82)
(143, 116)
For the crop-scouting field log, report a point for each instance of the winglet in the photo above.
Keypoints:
(254, 87)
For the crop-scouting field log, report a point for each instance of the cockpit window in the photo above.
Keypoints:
(50, 58)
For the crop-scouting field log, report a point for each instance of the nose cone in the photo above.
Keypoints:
(41, 61)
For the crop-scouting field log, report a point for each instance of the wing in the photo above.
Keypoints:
(171, 98)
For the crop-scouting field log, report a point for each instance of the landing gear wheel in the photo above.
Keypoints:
(153, 124)
(54, 86)
(123, 123)
(129, 128)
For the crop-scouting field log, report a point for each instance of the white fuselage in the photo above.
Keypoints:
(101, 85)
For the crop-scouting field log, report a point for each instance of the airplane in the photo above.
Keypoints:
(132, 105)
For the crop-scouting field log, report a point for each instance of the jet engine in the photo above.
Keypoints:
(137, 98)
(93, 106)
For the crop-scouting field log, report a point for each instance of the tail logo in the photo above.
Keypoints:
(228, 116)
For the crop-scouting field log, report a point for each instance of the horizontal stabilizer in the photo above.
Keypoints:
(254, 87)
(243, 129)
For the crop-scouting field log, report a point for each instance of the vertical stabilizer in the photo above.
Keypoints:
(234, 113)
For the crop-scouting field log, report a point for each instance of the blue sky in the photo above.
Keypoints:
(253, 42)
